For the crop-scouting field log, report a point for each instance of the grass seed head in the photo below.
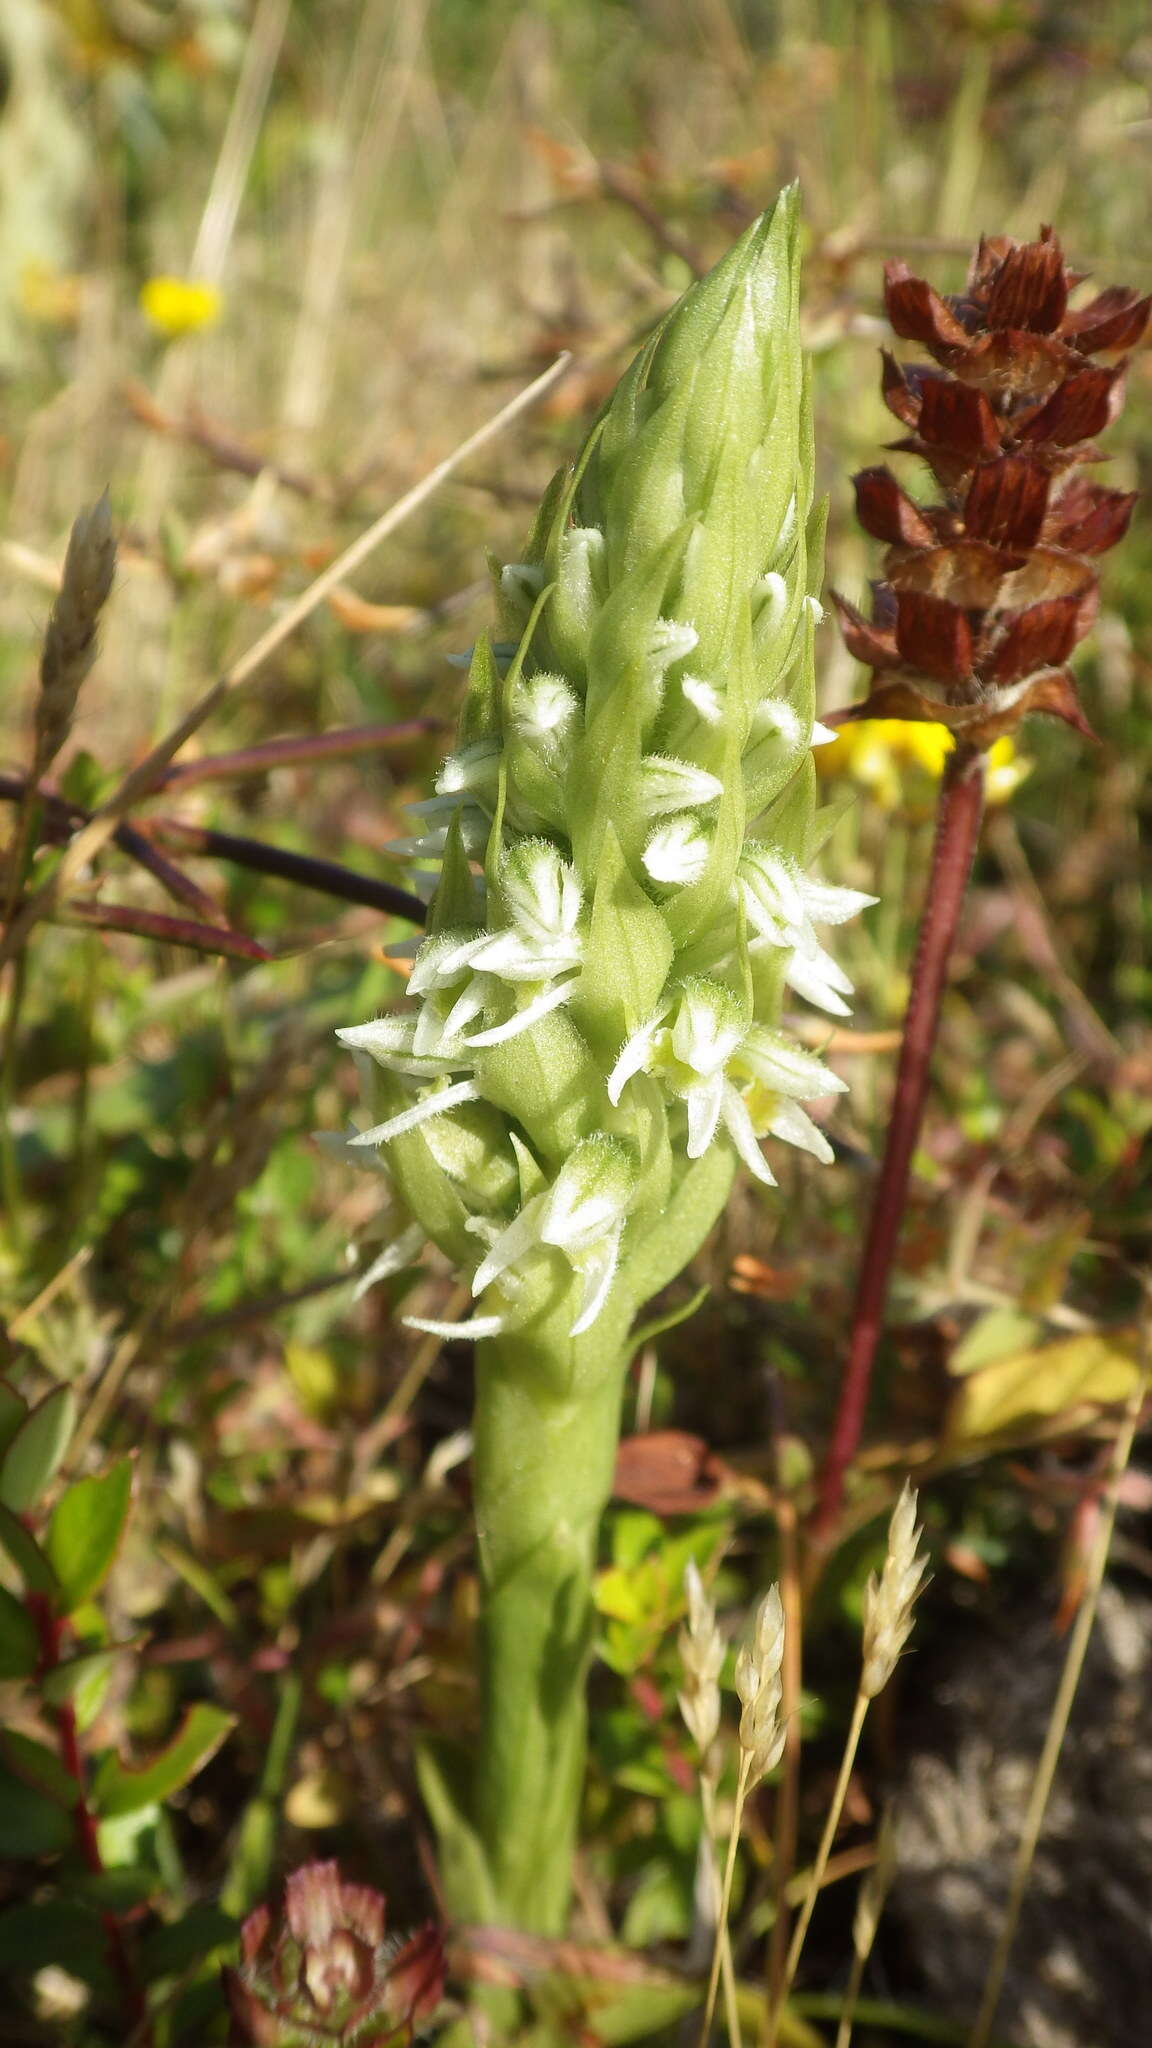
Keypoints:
(758, 1682)
(70, 639)
(889, 1599)
(701, 1657)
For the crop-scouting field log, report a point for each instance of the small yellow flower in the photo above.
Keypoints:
(177, 305)
(879, 752)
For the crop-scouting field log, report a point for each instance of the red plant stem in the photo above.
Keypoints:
(958, 817)
(50, 1629)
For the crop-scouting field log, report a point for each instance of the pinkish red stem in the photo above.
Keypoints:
(958, 818)
(50, 1629)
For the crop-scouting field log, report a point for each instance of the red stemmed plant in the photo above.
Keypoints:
(984, 596)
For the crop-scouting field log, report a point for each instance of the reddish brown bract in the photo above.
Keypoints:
(986, 594)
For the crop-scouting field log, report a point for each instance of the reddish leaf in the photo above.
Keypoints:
(1006, 501)
(886, 511)
(902, 389)
(1029, 289)
(934, 637)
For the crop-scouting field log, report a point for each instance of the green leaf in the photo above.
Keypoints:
(36, 1450)
(123, 1788)
(84, 1533)
(19, 1642)
(12, 1412)
(36, 1934)
(25, 1554)
(199, 1933)
(81, 1681)
(39, 1767)
(453, 904)
(30, 1824)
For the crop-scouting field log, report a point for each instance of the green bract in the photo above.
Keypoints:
(591, 1042)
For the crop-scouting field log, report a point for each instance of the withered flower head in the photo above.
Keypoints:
(325, 1973)
(986, 594)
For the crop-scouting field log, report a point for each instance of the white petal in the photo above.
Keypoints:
(704, 1105)
(635, 1055)
(822, 735)
(522, 1235)
(796, 1127)
(668, 785)
(597, 1269)
(704, 698)
(781, 1064)
(827, 904)
(677, 853)
(815, 976)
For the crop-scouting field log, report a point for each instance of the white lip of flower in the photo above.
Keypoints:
(728, 1073)
(668, 786)
(475, 828)
(581, 1215)
(772, 714)
(782, 904)
(704, 698)
(821, 735)
(677, 853)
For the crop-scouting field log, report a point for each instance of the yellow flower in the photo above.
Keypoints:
(177, 305)
(878, 753)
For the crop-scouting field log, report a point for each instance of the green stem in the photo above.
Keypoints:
(546, 1428)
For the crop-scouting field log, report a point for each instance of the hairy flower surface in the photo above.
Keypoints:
(986, 594)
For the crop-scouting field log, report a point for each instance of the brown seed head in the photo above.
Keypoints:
(986, 593)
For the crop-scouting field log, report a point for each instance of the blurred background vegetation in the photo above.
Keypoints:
(262, 264)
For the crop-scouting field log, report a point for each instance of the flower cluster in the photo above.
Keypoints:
(324, 1972)
(986, 594)
(592, 1039)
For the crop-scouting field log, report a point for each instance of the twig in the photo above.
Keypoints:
(1062, 1705)
(215, 940)
(957, 829)
(298, 747)
(143, 779)
(326, 877)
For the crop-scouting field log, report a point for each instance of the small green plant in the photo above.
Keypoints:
(620, 890)
(94, 1814)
